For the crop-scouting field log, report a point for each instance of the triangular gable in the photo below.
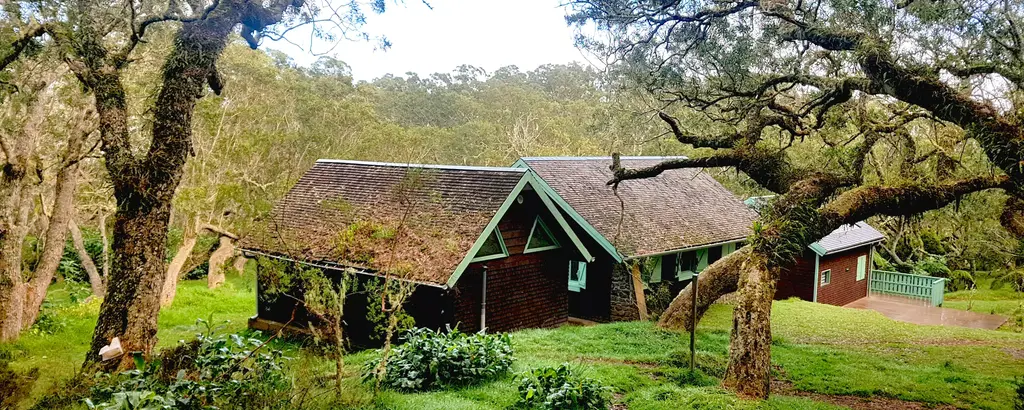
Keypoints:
(529, 178)
(587, 227)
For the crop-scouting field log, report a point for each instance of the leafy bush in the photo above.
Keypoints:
(1014, 278)
(959, 280)
(659, 297)
(932, 266)
(430, 359)
(207, 373)
(14, 385)
(560, 387)
(1018, 402)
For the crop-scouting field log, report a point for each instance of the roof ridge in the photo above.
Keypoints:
(557, 158)
(429, 166)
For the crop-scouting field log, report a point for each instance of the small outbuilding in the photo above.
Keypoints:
(835, 270)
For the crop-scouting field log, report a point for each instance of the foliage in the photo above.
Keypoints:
(932, 265)
(1018, 402)
(1013, 278)
(555, 388)
(14, 385)
(434, 359)
(959, 280)
(658, 298)
(213, 371)
(381, 318)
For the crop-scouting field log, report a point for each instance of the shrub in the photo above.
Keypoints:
(14, 385)
(1014, 278)
(959, 280)
(659, 297)
(430, 359)
(209, 372)
(561, 387)
(1018, 402)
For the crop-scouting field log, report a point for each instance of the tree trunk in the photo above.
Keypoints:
(170, 284)
(95, 280)
(13, 229)
(751, 341)
(132, 302)
(239, 264)
(56, 236)
(106, 246)
(215, 273)
(718, 279)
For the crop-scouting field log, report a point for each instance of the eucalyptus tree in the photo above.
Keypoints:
(854, 80)
(98, 42)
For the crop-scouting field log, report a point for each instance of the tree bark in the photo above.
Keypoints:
(215, 273)
(132, 302)
(750, 344)
(173, 274)
(13, 230)
(95, 280)
(239, 264)
(717, 280)
(56, 235)
(106, 246)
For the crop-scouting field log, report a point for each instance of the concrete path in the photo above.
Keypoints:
(922, 313)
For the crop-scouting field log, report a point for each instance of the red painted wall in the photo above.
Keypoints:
(798, 281)
(845, 287)
(523, 290)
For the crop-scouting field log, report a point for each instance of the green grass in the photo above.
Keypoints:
(1003, 301)
(821, 349)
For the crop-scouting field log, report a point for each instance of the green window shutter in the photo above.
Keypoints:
(702, 259)
(862, 267)
(656, 275)
(493, 248)
(577, 275)
(540, 238)
(728, 248)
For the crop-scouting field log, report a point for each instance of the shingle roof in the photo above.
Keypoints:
(847, 237)
(676, 210)
(349, 213)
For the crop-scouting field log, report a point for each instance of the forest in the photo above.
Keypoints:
(141, 142)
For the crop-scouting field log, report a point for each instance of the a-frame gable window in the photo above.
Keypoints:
(540, 238)
(493, 248)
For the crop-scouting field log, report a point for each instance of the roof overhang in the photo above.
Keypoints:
(529, 180)
(337, 267)
(688, 248)
(821, 251)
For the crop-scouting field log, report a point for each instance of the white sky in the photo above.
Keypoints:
(485, 33)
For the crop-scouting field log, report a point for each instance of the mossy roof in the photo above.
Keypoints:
(416, 222)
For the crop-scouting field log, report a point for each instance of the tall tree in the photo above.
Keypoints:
(99, 41)
(842, 77)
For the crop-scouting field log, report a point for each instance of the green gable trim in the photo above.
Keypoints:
(502, 253)
(543, 231)
(818, 249)
(527, 179)
(587, 227)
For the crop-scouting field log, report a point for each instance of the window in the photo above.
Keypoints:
(862, 267)
(577, 275)
(714, 254)
(540, 238)
(826, 277)
(493, 248)
(687, 264)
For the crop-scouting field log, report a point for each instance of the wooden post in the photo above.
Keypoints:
(693, 324)
(638, 290)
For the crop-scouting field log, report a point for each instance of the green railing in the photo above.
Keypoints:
(904, 284)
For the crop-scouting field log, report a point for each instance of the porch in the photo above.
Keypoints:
(921, 312)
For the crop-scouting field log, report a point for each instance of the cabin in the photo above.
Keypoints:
(651, 232)
(537, 244)
(486, 247)
(835, 270)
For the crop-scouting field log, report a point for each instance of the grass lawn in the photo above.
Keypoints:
(1004, 301)
(823, 354)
